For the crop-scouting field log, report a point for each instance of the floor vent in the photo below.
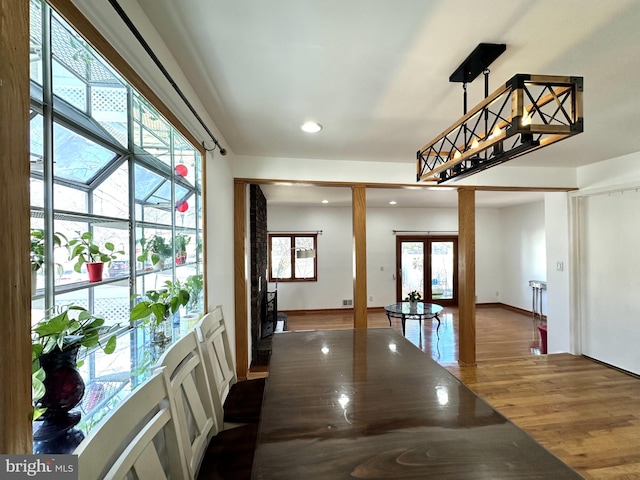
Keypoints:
(347, 303)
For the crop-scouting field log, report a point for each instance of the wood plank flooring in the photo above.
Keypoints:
(584, 412)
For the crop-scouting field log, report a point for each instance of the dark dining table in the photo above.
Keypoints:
(366, 403)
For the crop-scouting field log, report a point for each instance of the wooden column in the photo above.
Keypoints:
(467, 275)
(240, 279)
(359, 207)
(15, 286)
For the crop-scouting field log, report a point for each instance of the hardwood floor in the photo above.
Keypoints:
(584, 412)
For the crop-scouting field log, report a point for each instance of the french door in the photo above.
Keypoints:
(428, 264)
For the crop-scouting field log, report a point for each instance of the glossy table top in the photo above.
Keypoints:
(404, 308)
(367, 404)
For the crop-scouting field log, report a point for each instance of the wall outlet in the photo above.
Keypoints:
(371, 298)
(559, 266)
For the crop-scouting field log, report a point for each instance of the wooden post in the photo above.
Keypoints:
(15, 286)
(359, 208)
(240, 267)
(467, 275)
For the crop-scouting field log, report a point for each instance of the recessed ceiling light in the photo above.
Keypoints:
(311, 127)
(392, 202)
(325, 201)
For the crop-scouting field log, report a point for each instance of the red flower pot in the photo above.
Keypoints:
(95, 271)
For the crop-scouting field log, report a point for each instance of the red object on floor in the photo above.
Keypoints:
(543, 338)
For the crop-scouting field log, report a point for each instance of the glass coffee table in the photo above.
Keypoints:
(404, 311)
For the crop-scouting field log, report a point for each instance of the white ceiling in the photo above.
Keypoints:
(375, 72)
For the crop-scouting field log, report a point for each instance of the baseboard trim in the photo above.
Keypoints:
(517, 310)
(348, 311)
(330, 311)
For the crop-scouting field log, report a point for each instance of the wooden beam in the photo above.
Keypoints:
(467, 275)
(15, 287)
(240, 278)
(359, 207)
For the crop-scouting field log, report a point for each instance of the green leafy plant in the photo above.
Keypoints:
(74, 326)
(155, 249)
(86, 250)
(194, 285)
(414, 296)
(181, 241)
(159, 303)
(38, 248)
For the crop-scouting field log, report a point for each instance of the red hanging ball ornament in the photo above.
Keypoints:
(181, 170)
(182, 206)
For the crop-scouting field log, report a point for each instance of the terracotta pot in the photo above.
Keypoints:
(95, 271)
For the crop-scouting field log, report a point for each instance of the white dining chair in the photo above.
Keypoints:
(235, 402)
(138, 439)
(210, 454)
(190, 397)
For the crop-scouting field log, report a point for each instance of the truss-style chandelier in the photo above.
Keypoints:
(525, 114)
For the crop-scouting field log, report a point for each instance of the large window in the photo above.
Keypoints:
(104, 161)
(293, 257)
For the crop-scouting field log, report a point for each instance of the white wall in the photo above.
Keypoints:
(335, 247)
(606, 228)
(523, 253)
(334, 256)
(558, 281)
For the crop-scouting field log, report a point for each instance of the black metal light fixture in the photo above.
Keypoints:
(525, 114)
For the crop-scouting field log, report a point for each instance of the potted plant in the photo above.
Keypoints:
(413, 298)
(181, 241)
(38, 253)
(87, 251)
(155, 249)
(56, 340)
(158, 307)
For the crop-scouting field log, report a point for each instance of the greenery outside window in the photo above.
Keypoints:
(293, 257)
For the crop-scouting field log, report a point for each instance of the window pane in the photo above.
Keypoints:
(101, 234)
(67, 198)
(109, 108)
(305, 260)
(111, 197)
(68, 87)
(77, 158)
(36, 149)
(110, 301)
(151, 131)
(35, 43)
(281, 257)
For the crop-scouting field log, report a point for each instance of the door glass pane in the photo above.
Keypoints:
(442, 270)
(412, 258)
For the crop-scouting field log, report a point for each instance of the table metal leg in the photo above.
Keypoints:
(438, 327)
(389, 318)
(403, 322)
